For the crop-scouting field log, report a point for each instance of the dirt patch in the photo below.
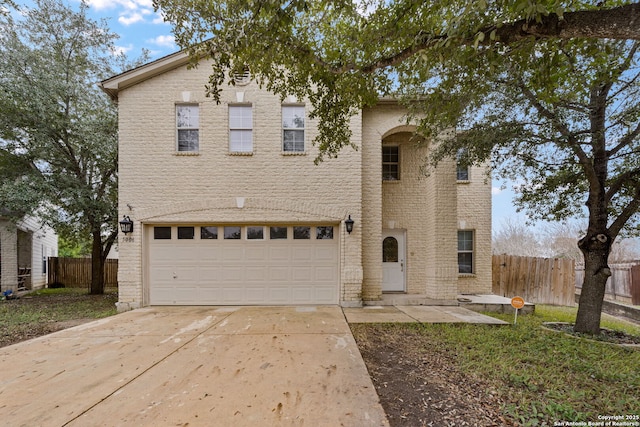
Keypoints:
(606, 335)
(419, 385)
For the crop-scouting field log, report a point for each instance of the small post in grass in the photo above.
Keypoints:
(517, 303)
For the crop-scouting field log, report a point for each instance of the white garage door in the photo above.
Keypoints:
(242, 265)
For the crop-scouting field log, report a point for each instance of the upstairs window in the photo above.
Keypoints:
(462, 169)
(293, 129)
(187, 124)
(390, 163)
(240, 128)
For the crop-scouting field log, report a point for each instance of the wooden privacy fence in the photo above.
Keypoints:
(623, 285)
(537, 280)
(76, 272)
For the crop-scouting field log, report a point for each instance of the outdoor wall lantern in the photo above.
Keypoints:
(348, 223)
(126, 225)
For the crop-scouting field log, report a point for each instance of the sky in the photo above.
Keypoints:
(140, 27)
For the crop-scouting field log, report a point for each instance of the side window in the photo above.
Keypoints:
(462, 168)
(390, 163)
(240, 128)
(187, 126)
(465, 252)
(292, 129)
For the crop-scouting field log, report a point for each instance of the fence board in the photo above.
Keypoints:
(623, 283)
(537, 280)
(76, 272)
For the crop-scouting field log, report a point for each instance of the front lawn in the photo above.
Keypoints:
(509, 375)
(49, 310)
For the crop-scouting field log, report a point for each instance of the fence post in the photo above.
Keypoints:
(635, 285)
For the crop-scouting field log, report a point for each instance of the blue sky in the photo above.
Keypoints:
(139, 27)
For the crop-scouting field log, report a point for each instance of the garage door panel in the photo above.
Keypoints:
(209, 293)
(279, 252)
(324, 274)
(233, 273)
(324, 293)
(236, 272)
(302, 274)
(302, 253)
(325, 253)
(255, 274)
(255, 253)
(210, 273)
(278, 274)
(232, 251)
(255, 294)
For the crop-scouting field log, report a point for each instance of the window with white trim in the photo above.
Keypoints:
(465, 252)
(187, 126)
(240, 128)
(292, 129)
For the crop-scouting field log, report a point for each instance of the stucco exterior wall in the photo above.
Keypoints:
(159, 185)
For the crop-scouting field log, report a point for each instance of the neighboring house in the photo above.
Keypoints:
(24, 249)
(229, 208)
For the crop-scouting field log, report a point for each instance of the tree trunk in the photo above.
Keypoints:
(596, 272)
(97, 265)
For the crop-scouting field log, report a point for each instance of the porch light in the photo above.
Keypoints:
(126, 225)
(348, 223)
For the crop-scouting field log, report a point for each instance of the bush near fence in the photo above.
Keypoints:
(76, 272)
(537, 280)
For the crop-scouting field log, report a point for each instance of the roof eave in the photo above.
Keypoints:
(113, 85)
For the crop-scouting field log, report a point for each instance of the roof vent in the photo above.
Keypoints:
(243, 77)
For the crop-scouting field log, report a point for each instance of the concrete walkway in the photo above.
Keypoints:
(415, 313)
(195, 366)
(204, 366)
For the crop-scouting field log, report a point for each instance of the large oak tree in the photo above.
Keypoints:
(58, 130)
(546, 89)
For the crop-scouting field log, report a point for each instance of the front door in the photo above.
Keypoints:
(393, 261)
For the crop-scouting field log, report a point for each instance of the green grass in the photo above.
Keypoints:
(39, 312)
(544, 376)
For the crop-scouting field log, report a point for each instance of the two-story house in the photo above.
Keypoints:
(228, 207)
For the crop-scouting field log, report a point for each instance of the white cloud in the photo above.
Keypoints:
(122, 49)
(496, 190)
(163, 41)
(130, 19)
(114, 4)
(129, 11)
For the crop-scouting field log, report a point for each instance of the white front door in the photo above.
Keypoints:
(393, 261)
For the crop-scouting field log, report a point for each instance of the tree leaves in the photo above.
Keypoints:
(58, 128)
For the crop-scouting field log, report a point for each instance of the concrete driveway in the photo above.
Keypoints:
(195, 366)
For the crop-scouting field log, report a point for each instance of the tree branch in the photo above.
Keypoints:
(620, 23)
(629, 210)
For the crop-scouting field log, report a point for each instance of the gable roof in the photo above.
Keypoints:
(129, 78)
